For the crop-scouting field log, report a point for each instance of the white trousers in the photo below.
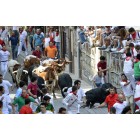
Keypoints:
(20, 48)
(4, 67)
(34, 105)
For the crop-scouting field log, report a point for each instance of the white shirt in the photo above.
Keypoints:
(137, 91)
(98, 79)
(47, 112)
(6, 84)
(80, 93)
(127, 68)
(47, 40)
(4, 34)
(4, 55)
(120, 106)
(6, 100)
(57, 38)
(23, 36)
(127, 90)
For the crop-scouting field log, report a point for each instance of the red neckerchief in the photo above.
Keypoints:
(128, 58)
(4, 50)
(112, 95)
(27, 96)
(136, 60)
(118, 101)
(57, 33)
(124, 81)
(73, 93)
(138, 83)
(134, 36)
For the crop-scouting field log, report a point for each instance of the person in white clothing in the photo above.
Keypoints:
(4, 35)
(128, 69)
(22, 41)
(6, 84)
(80, 93)
(71, 101)
(137, 94)
(120, 104)
(47, 40)
(4, 57)
(127, 90)
(6, 101)
(43, 109)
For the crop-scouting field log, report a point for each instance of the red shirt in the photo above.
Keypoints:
(2, 43)
(111, 100)
(102, 65)
(37, 53)
(25, 110)
(33, 88)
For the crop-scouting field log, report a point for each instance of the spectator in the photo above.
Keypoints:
(134, 35)
(26, 109)
(127, 90)
(62, 110)
(43, 109)
(4, 34)
(133, 50)
(81, 33)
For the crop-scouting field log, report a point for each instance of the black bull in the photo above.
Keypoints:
(97, 95)
(64, 80)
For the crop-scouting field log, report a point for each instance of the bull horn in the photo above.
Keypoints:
(25, 71)
(68, 61)
(55, 60)
(60, 65)
(14, 71)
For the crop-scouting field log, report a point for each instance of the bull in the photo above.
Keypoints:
(64, 80)
(97, 95)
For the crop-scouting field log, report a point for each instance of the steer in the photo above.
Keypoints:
(97, 95)
(21, 75)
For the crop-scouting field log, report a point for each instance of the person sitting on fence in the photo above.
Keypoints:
(114, 45)
(134, 35)
(107, 44)
(98, 79)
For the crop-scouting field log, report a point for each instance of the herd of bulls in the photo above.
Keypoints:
(50, 75)
(49, 72)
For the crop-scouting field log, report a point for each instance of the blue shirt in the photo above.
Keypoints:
(18, 93)
(38, 39)
(14, 40)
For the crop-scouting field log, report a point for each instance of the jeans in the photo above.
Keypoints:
(14, 51)
(82, 37)
(98, 84)
(57, 44)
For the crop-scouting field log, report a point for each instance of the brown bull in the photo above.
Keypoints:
(49, 76)
(30, 62)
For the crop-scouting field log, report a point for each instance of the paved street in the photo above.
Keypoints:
(58, 101)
